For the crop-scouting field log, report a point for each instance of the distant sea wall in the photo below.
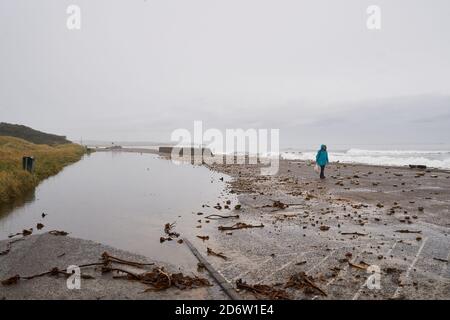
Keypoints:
(183, 151)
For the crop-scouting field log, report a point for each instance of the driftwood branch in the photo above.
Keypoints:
(354, 233)
(240, 225)
(217, 254)
(218, 216)
(408, 231)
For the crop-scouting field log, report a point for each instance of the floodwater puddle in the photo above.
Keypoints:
(124, 200)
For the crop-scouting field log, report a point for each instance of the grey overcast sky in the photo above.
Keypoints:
(136, 70)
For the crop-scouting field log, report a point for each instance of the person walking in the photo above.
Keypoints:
(322, 160)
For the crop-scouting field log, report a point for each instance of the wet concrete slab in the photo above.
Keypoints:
(396, 220)
(40, 253)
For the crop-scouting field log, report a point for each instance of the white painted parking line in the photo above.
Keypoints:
(361, 288)
(343, 270)
(399, 288)
(241, 275)
(296, 254)
(286, 265)
(321, 261)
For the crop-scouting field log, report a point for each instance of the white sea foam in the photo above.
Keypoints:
(394, 152)
(434, 159)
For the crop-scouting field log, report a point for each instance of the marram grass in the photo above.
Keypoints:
(49, 160)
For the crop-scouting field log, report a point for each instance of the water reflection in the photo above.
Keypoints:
(9, 207)
(124, 200)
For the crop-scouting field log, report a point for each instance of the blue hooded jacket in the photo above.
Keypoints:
(322, 156)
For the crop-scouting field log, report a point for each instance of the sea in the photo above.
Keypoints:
(430, 155)
(433, 156)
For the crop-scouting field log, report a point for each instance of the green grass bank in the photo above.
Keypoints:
(49, 160)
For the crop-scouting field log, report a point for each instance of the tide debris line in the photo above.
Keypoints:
(157, 278)
(262, 290)
(218, 216)
(52, 272)
(240, 225)
(106, 262)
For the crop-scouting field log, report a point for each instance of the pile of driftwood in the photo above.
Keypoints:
(298, 280)
(263, 291)
(304, 282)
(171, 234)
(105, 263)
(157, 279)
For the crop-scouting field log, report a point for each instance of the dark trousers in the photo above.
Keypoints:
(322, 172)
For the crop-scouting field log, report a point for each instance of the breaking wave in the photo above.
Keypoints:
(434, 159)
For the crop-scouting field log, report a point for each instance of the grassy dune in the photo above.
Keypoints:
(16, 182)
